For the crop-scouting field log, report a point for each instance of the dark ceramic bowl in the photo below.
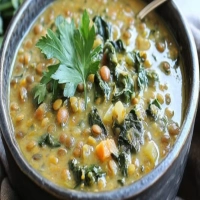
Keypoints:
(162, 183)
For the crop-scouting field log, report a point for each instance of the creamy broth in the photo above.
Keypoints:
(77, 139)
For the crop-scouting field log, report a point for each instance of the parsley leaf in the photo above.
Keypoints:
(40, 90)
(73, 48)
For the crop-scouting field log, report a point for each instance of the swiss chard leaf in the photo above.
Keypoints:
(94, 118)
(101, 87)
(111, 57)
(153, 109)
(123, 160)
(48, 140)
(103, 28)
(142, 79)
(90, 173)
(144, 76)
(131, 132)
(119, 46)
(124, 85)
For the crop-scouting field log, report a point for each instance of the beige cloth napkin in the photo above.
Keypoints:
(191, 10)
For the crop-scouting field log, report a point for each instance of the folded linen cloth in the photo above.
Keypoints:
(189, 189)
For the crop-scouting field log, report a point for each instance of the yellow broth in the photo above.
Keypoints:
(155, 45)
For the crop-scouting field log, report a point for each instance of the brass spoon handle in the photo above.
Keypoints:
(149, 8)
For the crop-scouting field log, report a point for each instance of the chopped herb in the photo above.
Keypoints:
(153, 109)
(143, 75)
(72, 47)
(94, 118)
(119, 46)
(123, 159)
(103, 28)
(88, 175)
(110, 53)
(48, 140)
(152, 75)
(142, 78)
(121, 181)
(163, 122)
(124, 85)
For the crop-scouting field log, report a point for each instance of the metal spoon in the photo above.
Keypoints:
(149, 8)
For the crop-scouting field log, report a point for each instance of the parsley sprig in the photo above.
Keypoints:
(73, 48)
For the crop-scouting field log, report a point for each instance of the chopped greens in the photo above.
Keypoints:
(88, 175)
(121, 181)
(103, 28)
(153, 109)
(124, 85)
(119, 46)
(72, 47)
(110, 55)
(48, 140)
(144, 76)
(94, 118)
(163, 122)
(131, 132)
(101, 87)
(123, 160)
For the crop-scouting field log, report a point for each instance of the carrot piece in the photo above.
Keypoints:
(102, 150)
(105, 148)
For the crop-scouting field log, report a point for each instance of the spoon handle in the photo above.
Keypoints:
(149, 8)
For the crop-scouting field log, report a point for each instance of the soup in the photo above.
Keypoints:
(94, 92)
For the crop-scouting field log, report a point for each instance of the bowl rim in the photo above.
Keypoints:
(125, 191)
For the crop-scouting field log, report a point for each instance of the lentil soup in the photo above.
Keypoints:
(113, 125)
